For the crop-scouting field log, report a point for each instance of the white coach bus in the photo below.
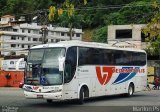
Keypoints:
(78, 70)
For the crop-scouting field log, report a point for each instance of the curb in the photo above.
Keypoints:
(10, 88)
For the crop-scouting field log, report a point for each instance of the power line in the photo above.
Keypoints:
(95, 8)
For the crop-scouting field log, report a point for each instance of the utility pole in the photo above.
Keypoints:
(70, 31)
(44, 34)
(43, 20)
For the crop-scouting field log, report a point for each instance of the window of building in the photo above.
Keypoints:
(52, 40)
(13, 37)
(11, 19)
(29, 31)
(57, 40)
(13, 45)
(77, 34)
(124, 33)
(11, 62)
(22, 38)
(15, 30)
(29, 39)
(29, 46)
(22, 30)
(22, 45)
(62, 33)
(35, 39)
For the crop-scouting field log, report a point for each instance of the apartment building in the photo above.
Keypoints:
(19, 37)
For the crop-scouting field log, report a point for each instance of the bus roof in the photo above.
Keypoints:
(84, 44)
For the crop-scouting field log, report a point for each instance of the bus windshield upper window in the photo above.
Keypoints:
(35, 55)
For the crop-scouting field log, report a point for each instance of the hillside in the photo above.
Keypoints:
(95, 15)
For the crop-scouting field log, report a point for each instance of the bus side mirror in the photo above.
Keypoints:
(61, 63)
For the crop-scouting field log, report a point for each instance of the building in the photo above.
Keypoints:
(7, 21)
(126, 36)
(19, 37)
(13, 64)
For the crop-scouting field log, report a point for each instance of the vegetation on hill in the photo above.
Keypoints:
(95, 15)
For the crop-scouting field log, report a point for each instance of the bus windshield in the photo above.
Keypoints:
(42, 66)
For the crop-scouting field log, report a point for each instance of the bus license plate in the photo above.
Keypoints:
(39, 96)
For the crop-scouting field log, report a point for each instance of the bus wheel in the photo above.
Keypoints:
(81, 96)
(130, 90)
(49, 101)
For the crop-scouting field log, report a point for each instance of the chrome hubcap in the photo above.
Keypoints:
(130, 91)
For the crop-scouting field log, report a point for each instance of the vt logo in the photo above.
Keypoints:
(104, 74)
(35, 87)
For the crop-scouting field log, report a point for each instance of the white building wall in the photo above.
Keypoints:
(133, 42)
(10, 64)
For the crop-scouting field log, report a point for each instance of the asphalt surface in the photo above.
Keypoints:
(13, 100)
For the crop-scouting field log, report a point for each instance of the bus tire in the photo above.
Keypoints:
(49, 101)
(130, 90)
(81, 96)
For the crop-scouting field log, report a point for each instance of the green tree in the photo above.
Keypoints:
(133, 13)
(152, 30)
(100, 35)
(42, 4)
(153, 48)
(23, 6)
(70, 22)
(68, 18)
(3, 4)
(19, 6)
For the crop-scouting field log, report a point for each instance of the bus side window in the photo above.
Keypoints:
(89, 56)
(70, 64)
(111, 59)
(83, 55)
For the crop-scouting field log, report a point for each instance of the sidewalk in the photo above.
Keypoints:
(10, 88)
(151, 86)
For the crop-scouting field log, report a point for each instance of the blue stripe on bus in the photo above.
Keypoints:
(130, 76)
(122, 75)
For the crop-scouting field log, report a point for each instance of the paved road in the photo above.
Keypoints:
(12, 98)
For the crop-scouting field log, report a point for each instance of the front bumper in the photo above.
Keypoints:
(53, 96)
